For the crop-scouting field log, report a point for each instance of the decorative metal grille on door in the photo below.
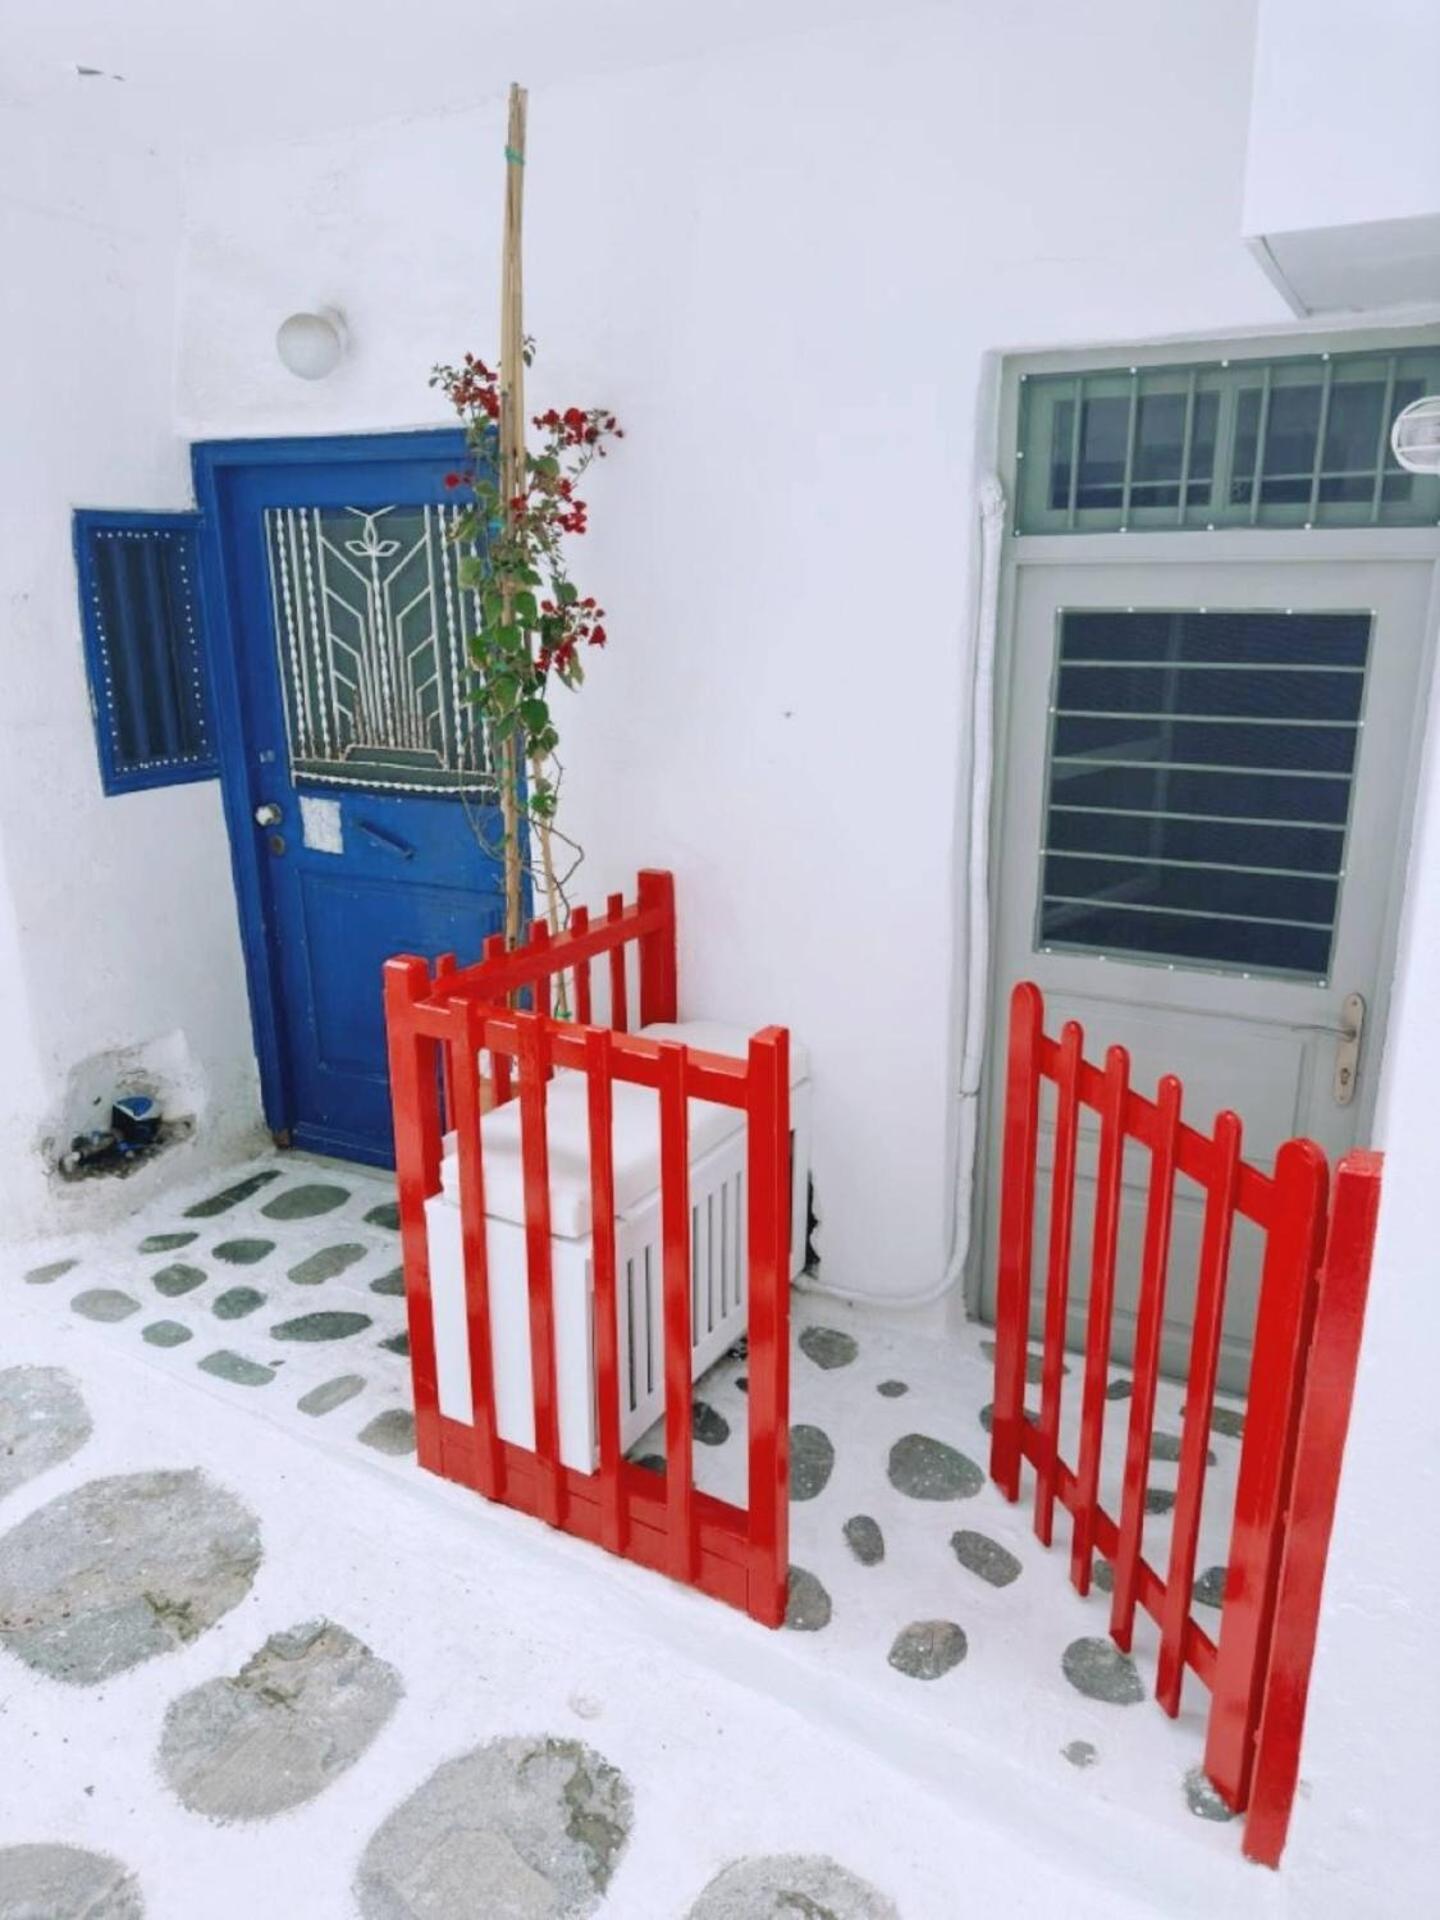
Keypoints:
(370, 624)
(1199, 781)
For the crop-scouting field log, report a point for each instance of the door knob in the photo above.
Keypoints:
(267, 815)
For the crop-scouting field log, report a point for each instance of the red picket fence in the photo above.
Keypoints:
(1306, 1341)
(439, 1026)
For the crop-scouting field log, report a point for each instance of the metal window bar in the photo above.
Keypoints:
(1322, 427)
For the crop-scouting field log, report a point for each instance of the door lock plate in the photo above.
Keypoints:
(1347, 1056)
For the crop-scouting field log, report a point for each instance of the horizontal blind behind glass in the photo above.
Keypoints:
(1199, 782)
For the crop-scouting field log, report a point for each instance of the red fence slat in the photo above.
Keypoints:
(464, 1073)
(1017, 1226)
(614, 1508)
(659, 998)
(767, 1148)
(619, 999)
(1101, 1310)
(1283, 1324)
(675, 1239)
(1208, 1326)
(580, 926)
(415, 1098)
(535, 1159)
(1057, 1286)
(1324, 1422)
(1145, 1368)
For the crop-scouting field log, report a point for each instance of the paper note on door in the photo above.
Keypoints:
(321, 824)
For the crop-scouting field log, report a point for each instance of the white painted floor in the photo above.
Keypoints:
(951, 1796)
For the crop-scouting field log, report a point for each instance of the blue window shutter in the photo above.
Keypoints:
(140, 617)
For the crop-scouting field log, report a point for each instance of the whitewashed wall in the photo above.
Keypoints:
(119, 921)
(782, 268)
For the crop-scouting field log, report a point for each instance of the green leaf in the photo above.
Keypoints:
(526, 608)
(569, 592)
(534, 713)
(471, 571)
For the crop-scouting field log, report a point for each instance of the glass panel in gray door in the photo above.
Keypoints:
(1198, 786)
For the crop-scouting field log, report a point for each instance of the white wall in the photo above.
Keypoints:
(1345, 128)
(118, 921)
(1365, 1822)
(782, 268)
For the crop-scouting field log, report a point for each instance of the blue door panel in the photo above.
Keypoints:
(347, 627)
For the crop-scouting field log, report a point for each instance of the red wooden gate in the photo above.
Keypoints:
(439, 1026)
(1307, 1331)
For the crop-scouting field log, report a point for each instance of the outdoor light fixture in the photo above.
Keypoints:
(311, 345)
(1415, 436)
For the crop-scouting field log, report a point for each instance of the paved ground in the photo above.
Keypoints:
(233, 1663)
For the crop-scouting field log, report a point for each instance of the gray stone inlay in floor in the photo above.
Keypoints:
(892, 1389)
(242, 1253)
(1159, 1500)
(47, 1881)
(229, 1197)
(105, 1303)
(528, 1829)
(178, 1278)
(812, 1461)
(828, 1347)
(709, 1427)
(994, 1564)
(398, 1343)
(1099, 1670)
(1102, 1576)
(236, 1302)
(927, 1649)
(166, 1333)
(1166, 1446)
(391, 1284)
(807, 1603)
(1118, 1390)
(121, 1570)
(325, 1264)
(331, 1394)
(387, 1214)
(54, 1270)
(928, 1469)
(1226, 1421)
(306, 1202)
(1209, 1588)
(43, 1420)
(391, 1432)
(166, 1242)
(235, 1368)
(1081, 1753)
(299, 1713)
(791, 1886)
(865, 1539)
(326, 1325)
(1202, 1799)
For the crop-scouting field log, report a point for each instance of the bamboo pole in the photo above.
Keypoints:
(512, 463)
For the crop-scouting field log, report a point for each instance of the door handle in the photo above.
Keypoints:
(391, 842)
(1347, 1055)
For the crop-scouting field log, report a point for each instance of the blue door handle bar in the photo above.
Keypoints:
(392, 842)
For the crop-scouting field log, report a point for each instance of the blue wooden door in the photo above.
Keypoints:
(361, 813)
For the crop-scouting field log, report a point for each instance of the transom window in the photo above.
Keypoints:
(1303, 441)
(1198, 786)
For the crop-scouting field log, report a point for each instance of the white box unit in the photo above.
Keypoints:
(718, 1252)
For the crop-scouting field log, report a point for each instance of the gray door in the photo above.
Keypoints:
(1204, 782)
